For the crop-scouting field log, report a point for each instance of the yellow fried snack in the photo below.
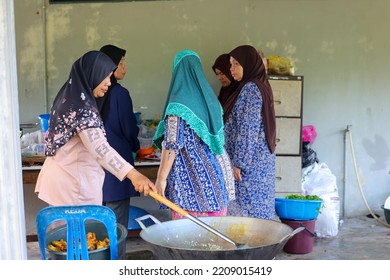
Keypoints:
(92, 243)
(91, 235)
(52, 247)
(104, 243)
(58, 245)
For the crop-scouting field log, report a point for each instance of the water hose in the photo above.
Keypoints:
(359, 183)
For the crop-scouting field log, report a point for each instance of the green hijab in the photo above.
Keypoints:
(191, 97)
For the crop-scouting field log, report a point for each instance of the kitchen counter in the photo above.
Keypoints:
(149, 168)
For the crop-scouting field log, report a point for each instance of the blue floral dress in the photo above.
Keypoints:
(196, 181)
(247, 147)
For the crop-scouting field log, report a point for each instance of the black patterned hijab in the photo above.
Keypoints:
(74, 108)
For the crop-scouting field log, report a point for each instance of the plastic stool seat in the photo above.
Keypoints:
(75, 217)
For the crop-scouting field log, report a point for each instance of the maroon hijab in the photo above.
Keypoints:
(222, 63)
(254, 71)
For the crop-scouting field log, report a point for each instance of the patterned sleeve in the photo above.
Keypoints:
(228, 175)
(173, 138)
(96, 143)
(249, 109)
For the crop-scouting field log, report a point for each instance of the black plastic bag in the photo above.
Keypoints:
(309, 156)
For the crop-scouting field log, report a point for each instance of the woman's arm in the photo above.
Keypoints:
(173, 142)
(95, 141)
(167, 159)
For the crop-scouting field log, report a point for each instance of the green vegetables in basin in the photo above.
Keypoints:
(303, 197)
(298, 207)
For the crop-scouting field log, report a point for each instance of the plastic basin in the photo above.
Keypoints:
(90, 226)
(387, 214)
(297, 209)
(145, 152)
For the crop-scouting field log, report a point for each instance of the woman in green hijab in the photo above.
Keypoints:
(195, 171)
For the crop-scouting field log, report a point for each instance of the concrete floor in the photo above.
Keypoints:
(359, 238)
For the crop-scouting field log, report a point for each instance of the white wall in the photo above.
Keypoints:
(339, 46)
(12, 219)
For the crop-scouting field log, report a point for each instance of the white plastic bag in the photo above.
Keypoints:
(317, 179)
(328, 220)
(32, 144)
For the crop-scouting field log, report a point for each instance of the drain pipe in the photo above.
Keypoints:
(346, 132)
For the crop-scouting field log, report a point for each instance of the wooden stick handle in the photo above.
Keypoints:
(183, 212)
(168, 203)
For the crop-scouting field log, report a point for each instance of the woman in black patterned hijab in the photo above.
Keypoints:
(77, 149)
(74, 108)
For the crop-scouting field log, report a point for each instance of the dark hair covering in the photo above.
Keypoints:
(222, 63)
(116, 55)
(254, 71)
(74, 109)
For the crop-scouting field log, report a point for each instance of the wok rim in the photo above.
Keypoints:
(282, 239)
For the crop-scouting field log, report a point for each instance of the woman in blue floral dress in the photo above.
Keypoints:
(195, 171)
(250, 133)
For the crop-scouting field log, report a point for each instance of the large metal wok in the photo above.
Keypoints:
(184, 240)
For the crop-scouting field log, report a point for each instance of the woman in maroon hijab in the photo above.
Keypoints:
(250, 132)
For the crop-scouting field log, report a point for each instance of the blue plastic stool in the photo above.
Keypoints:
(75, 217)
